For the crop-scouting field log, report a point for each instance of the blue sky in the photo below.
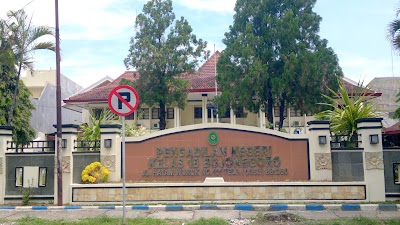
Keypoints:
(95, 34)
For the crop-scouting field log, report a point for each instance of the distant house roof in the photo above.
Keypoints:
(393, 129)
(100, 93)
(352, 86)
(102, 82)
(201, 81)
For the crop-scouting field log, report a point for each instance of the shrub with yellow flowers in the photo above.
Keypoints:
(95, 173)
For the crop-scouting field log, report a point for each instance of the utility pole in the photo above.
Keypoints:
(58, 103)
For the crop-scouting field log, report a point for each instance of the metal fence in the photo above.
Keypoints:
(345, 141)
(93, 145)
(391, 140)
(32, 146)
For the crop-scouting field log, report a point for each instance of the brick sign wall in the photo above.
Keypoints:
(232, 154)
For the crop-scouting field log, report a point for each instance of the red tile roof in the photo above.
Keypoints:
(201, 81)
(393, 129)
(352, 89)
(100, 94)
(204, 79)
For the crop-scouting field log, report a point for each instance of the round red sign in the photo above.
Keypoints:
(123, 100)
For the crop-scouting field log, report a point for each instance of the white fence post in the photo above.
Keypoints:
(320, 151)
(5, 136)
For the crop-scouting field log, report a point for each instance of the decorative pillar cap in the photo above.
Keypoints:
(368, 120)
(6, 127)
(67, 126)
(318, 122)
(119, 126)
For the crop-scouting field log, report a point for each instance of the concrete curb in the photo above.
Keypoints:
(241, 207)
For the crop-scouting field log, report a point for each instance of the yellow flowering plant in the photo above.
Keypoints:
(95, 173)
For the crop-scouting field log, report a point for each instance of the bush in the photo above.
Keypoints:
(95, 173)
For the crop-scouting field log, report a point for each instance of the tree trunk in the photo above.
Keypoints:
(14, 101)
(270, 104)
(281, 111)
(163, 122)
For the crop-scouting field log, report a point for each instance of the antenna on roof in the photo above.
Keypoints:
(215, 75)
(391, 50)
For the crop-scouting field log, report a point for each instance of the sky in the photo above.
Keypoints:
(95, 35)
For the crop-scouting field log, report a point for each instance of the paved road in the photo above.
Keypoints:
(58, 214)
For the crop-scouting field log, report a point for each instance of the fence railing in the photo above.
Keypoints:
(87, 145)
(391, 140)
(32, 146)
(345, 141)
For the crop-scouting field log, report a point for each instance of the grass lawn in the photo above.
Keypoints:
(259, 220)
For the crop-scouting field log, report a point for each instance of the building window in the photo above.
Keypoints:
(396, 168)
(155, 113)
(170, 113)
(42, 176)
(227, 114)
(97, 113)
(295, 113)
(240, 112)
(276, 112)
(143, 113)
(19, 176)
(130, 116)
(198, 112)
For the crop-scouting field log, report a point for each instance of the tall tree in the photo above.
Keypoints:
(393, 35)
(275, 58)
(162, 51)
(23, 37)
(393, 30)
(396, 114)
(22, 132)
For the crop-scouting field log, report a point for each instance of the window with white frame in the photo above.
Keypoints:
(42, 176)
(19, 176)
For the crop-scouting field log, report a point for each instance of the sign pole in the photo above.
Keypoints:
(123, 100)
(123, 171)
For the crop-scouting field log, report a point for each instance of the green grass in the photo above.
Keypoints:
(210, 221)
(104, 220)
(357, 221)
(259, 220)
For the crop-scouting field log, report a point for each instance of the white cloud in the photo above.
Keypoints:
(210, 5)
(80, 20)
(88, 75)
(365, 68)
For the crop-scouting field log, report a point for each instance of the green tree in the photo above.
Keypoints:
(22, 132)
(275, 58)
(91, 130)
(393, 32)
(396, 114)
(345, 110)
(393, 36)
(23, 37)
(162, 51)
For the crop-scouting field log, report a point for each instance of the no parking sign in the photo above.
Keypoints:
(123, 100)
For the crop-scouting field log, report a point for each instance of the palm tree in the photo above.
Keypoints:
(345, 109)
(393, 32)
(23, 37)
